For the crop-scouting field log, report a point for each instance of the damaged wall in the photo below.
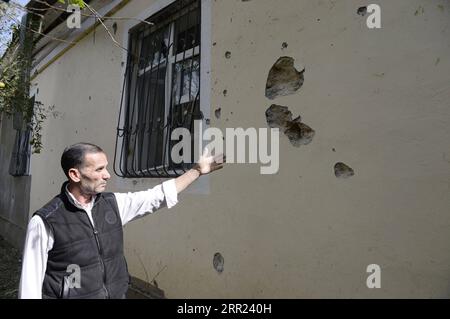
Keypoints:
(367, 182)
(372, 186)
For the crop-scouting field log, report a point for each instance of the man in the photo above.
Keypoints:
(79, 232)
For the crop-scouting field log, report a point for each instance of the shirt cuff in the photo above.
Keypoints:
(170, 193)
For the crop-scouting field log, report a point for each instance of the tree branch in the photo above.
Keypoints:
(104, 26)
(91, 15)
(37, 32)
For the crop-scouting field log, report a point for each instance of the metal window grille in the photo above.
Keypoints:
(160, 93)
(20, 159)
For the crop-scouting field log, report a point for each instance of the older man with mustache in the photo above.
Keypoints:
(81, 228)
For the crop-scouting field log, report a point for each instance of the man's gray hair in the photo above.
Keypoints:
(73, 156)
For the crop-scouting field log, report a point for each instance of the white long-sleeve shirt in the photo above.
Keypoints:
(39, 239)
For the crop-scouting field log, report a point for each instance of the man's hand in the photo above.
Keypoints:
(207, 164)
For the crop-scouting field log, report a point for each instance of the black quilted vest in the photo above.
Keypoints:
(97, 251)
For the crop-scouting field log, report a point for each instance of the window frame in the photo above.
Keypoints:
(192, 53)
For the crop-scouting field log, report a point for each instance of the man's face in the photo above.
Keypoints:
(94, 174)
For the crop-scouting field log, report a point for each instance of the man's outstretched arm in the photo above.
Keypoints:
(134, 205)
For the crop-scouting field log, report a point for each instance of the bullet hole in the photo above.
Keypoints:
(283, 78)
(228, 54)
(217, 113)
(207, 121)
(193, 249)
(249, 21)
(214, 44)
(333, 149)
(225, 92)
(218, 262)
(231, 113)
(343, 171)
(419, 10)
(76, 132)
(299, 133)
(362, 11)
(122, 64)
(284, 45)
(90, 98)
(114, 26)
(279, 116)
(134, 182)
(318, 20)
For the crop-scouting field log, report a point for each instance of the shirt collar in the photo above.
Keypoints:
(77, 203)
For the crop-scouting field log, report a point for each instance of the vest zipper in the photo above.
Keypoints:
(102, 263)
(101, 256)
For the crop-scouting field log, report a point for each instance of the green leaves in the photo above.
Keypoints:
(79, 3)
(15, 99)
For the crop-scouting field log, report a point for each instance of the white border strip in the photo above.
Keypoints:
(202, 185)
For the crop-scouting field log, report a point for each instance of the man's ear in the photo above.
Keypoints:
(74, 175)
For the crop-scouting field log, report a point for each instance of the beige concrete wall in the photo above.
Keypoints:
(379, 98)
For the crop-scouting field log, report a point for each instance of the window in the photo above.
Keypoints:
(161, 91)
(20, 157)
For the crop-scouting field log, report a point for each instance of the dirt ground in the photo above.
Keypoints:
(10, 262)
